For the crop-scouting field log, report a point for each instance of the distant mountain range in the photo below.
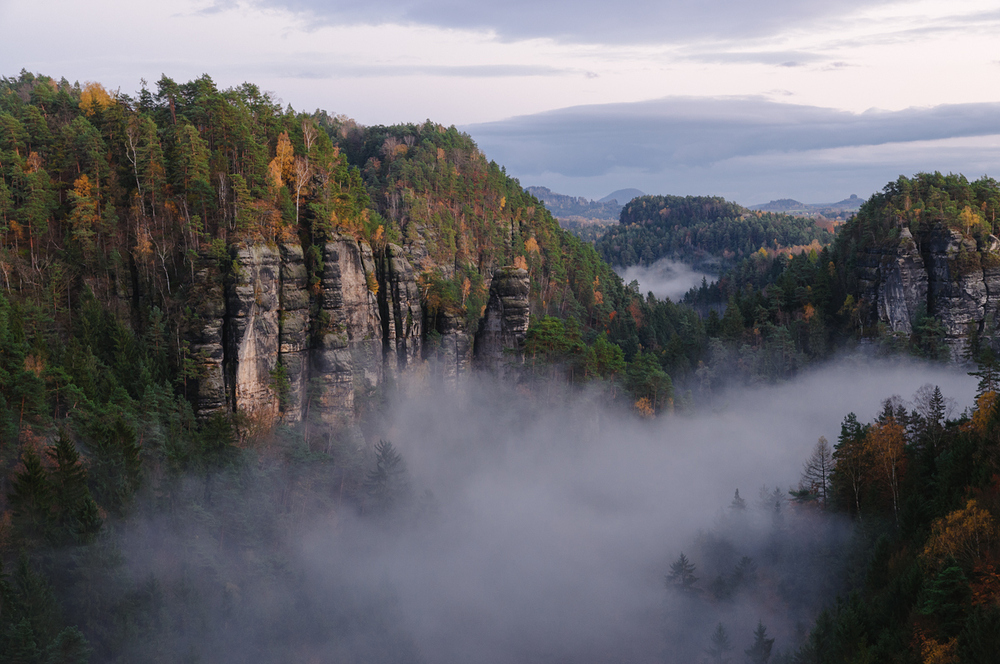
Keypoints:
(580, 210)
(839, 210)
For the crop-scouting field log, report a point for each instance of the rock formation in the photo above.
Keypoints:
(505, 324)
(939, 272)
(290, 333)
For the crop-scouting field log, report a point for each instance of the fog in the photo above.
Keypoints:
(539, 528)
(664, 278)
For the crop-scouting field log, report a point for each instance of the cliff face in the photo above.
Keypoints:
(280, 337)
(940, 273)
(505, 323)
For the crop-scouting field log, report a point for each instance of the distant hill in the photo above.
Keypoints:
(840, 210)
(622, 196)
(704, 231)
(577, 208)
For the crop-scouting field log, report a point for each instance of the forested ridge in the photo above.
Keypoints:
(701, 229)
(825, 288)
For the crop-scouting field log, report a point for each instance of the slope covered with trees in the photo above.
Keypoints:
(700, 229)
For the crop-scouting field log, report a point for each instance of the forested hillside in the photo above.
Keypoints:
(701, 229)
(915, 270)
(130, 227)
(925, 495)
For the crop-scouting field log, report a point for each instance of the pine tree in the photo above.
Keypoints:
(760, 651)
(76, 511)
(386, 483)
(682, 576)
(720, 646)
(31, 497)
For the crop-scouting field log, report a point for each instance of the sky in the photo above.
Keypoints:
(753, 101)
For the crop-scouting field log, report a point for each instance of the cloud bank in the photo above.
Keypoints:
(746, 148)
(552, 525)
(584, 21)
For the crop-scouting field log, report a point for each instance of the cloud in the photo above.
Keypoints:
(738, 143)
(467, 71)
(584, 21)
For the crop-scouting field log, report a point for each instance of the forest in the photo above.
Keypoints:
(701, 230)
(111, 204)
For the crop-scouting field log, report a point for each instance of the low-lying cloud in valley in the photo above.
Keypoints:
(665, 278)
(539, 527)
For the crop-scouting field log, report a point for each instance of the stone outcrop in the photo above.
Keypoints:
(252, 335)
(941, 273)
(276, 336)
(285, 332)
(505, 323)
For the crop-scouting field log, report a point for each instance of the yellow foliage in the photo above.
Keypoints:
(281, 167)
(33, 163)
(644, 407)
(984, 413)
(969, 219)
(808, 311)
(598, 297)
(372, 283)
(94, 97)
(503, 202)
(962, 534)
(531, 246)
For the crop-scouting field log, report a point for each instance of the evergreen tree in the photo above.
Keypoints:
(760, 651)
(720, 647)
(682, 576)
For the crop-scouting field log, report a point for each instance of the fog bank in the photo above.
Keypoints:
(551, 525)
(665, 278)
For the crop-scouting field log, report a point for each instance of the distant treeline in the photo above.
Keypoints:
(693, 228)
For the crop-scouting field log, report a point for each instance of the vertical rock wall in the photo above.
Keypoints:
(941, 272)
(505, 324)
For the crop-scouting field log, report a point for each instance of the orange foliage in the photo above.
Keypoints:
(633, 308)
(521, 262)
(985, 584)
(531, 246)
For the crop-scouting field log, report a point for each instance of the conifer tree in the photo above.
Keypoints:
(760, 651)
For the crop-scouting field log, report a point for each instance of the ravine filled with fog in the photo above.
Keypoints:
(532, 524)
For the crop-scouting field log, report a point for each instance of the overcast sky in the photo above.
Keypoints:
(808, 99)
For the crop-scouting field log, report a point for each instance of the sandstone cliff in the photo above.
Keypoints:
(938, 272)
(284, 332)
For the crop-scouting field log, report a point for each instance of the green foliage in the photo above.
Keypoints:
(693, 228)
(386, 485)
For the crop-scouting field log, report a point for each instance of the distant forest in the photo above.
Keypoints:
(701, 230)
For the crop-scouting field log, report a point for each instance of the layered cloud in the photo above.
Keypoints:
(728, 145)
(585, 21)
